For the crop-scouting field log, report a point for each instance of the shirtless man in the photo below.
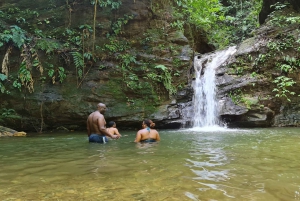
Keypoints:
(96, 126)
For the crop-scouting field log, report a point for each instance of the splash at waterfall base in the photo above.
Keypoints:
(212, 107)
(205, 103)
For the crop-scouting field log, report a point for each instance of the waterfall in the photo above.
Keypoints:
(205, 104)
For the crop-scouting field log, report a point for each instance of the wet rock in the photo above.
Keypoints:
(227, 107)
(4, 131)
(178, 38)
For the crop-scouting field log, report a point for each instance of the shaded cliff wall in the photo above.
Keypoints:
(140, 59)
(267, 7)
(135, 47)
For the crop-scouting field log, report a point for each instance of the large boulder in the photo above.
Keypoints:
(4, 131)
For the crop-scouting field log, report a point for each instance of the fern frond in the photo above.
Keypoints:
(78, 59)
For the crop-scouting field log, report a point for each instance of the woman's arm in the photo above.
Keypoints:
(157, 136)
(138, 137)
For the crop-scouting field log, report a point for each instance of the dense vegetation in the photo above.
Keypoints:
(50, 50)
(28, 31)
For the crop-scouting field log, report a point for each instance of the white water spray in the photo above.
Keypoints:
(204, 100)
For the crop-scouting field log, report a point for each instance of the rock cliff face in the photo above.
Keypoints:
(245, 82)
(138, 53)
(267, 9)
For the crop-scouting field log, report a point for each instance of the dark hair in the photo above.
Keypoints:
(149, 123)
(110, 124)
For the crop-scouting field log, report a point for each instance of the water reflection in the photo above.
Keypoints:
(261, 164)
(204, 161)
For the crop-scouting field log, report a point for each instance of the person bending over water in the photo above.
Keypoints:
(147, 134)
(96, 123)
(111, 128)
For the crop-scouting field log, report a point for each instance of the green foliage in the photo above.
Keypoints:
(202, 13)
(236, 96)
(132, 81)
(279, 17)
(239, 66)
(282, 85)
(288, 64)
(239, 98)
(25, 76)
(2, 77)
(78, 59)
(7, 112)
(79, 63)
(177, 62)
(38, 39)
(47, 45)
(119, 23)
(280, 49)
(148, 38)
(241, 17)
(61, 74)
(254, 74)
(261, 59)
(178, 24)
(166, 78)
(114, 45)
(284, 43)
(126, 59)
(51, 72)
(16, 35)
(279, 6)
(2, 87)
(17, 84)
(113, 5)
(86, 27)
(74, 37)
(223, 24)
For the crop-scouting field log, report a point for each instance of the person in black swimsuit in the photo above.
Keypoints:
(147, 134)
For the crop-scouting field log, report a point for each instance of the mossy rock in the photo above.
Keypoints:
(4, 131)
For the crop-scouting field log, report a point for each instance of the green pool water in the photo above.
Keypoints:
(256, 164)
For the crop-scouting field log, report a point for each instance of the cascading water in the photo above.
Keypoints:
(204, 101)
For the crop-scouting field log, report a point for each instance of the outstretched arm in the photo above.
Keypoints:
(117, 132)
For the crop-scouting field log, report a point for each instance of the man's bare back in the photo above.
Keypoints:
(96, 124)
(93, 122)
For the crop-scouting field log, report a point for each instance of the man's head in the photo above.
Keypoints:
(101, 108)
